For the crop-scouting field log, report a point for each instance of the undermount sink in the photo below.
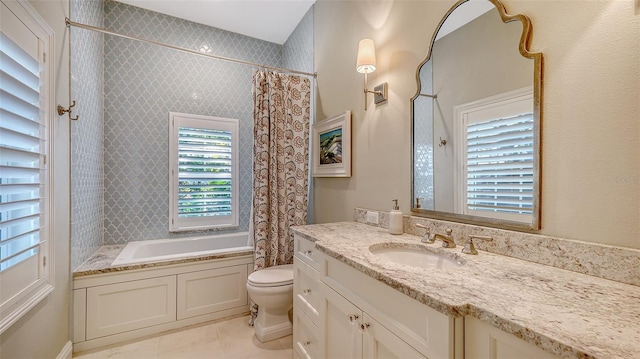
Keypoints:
(415, 255)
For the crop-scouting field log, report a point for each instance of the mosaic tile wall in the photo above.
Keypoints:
(87, 169)
(298, 49)
(143, 83)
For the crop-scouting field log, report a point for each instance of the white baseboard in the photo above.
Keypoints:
(66, 351)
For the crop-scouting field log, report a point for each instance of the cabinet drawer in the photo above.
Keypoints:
(430, 332)
(306, 293)
(307, 252)
(121, 307)
(305, 336)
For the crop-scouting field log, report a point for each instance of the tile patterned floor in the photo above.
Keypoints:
(229, 339)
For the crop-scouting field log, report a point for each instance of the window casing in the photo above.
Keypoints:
(495, 151)
(26, 93)
(203, 171)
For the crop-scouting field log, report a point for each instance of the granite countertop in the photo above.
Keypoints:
(100, 262)
(570, 314)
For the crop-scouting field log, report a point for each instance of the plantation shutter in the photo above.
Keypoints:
(204, 172)
(22, 156)
(500, 165)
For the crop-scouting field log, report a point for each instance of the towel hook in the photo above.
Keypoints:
(442, 142)
(62, 111)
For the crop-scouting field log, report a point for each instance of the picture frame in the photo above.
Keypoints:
(332, 146)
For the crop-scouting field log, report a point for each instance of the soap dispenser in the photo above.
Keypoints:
(395, 219)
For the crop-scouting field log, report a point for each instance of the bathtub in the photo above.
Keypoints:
(162, 292)
(160, 250)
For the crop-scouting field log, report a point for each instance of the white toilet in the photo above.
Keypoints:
(272, 289)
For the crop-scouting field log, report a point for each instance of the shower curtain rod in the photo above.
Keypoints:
(104, 31)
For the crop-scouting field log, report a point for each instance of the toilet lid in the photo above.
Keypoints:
(272, 276)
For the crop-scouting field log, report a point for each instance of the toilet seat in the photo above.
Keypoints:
(276, 276)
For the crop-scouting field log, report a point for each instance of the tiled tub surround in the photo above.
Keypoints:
(615, 263)
(570, 314)
(87, 158)
(145, 83)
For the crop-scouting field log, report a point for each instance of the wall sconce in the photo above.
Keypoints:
(366, 64)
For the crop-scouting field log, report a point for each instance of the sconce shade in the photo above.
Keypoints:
(366, 57)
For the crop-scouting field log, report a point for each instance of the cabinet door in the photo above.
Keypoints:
(379, 342)
(341, 319)
(483, 341)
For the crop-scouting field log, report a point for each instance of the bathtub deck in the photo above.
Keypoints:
(100, 262)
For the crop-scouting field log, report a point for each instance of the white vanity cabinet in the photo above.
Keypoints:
(349, 332)
(390, 324)
(484, 341)
(340, 312)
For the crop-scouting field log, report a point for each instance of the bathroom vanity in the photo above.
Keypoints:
(351, 302)
(342, 313)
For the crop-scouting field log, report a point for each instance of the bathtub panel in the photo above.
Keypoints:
(132, 305)
(211, 291)
(79, 314)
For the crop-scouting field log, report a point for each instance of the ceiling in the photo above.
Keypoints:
(269, 20)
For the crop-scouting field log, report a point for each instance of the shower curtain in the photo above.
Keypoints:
(280, 165)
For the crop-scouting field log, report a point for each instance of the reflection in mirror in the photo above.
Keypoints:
(476, 120)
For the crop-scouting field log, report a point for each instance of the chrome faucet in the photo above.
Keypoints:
(447, 240)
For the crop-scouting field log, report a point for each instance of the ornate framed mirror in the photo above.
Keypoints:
(476, 120)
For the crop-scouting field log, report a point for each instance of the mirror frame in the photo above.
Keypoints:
(524, 48)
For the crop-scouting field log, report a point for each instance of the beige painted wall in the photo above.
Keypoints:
(591, 109)
(44, 331)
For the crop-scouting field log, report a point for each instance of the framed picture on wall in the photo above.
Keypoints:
(332, 146)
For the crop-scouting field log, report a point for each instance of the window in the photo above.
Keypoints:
(496, 157)
(25, 96)
(203, 166)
